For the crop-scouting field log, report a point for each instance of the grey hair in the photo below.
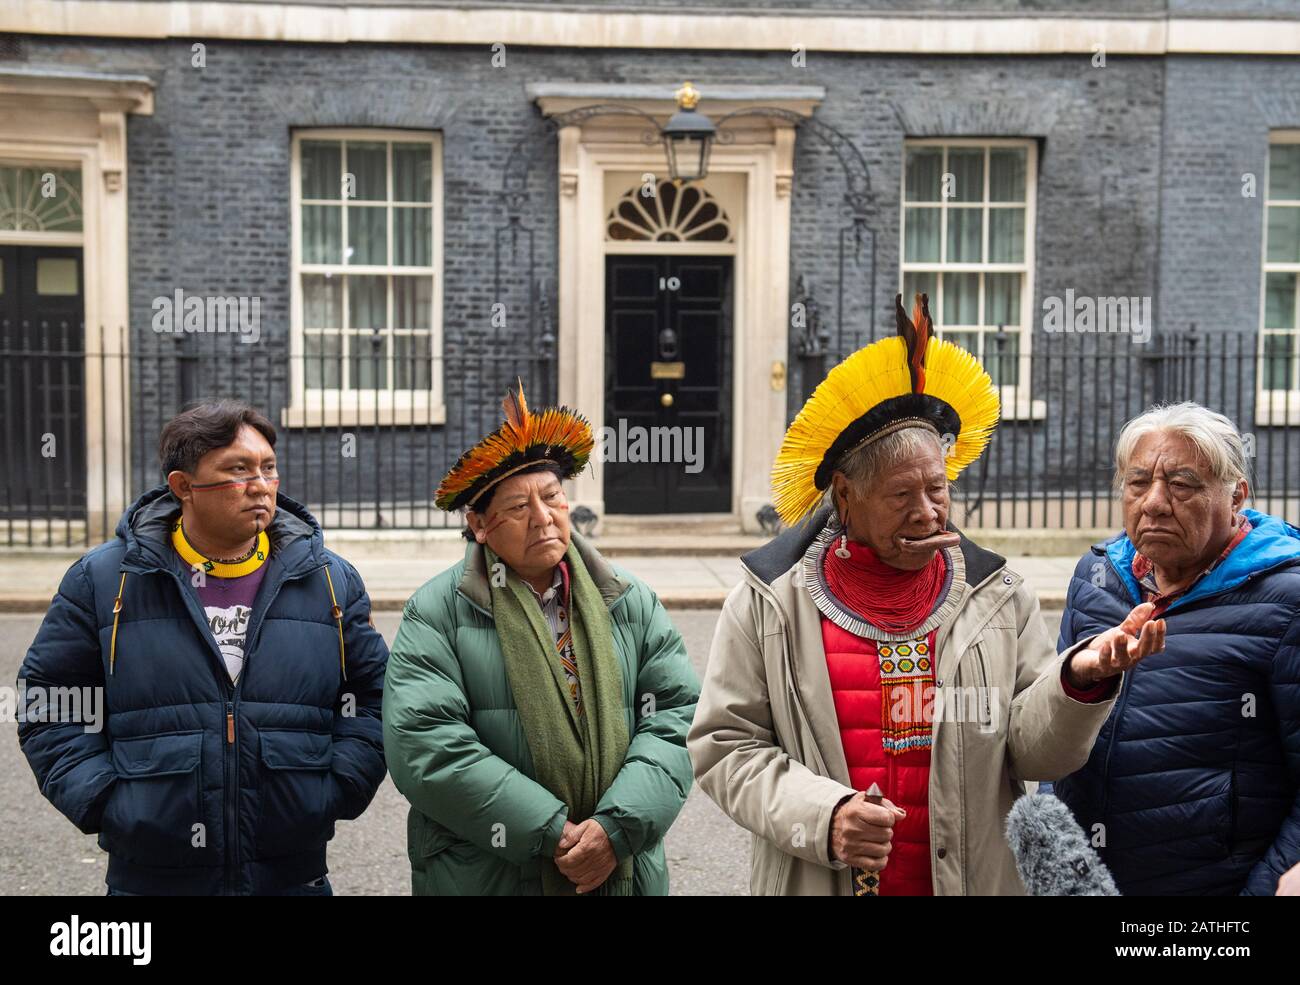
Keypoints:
(1215, 438)
(863, 465)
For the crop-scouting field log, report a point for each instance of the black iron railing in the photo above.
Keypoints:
(76, 450)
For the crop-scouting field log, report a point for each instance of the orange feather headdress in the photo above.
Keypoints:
(552, 436)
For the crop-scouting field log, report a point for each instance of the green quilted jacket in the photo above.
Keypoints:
(479, 823)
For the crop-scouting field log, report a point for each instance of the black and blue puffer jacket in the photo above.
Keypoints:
(1195, 777)
(194, 785)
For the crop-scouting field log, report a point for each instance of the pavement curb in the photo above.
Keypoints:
(1049, 601)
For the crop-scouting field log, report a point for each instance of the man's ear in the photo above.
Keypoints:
(477, 526)
(180, 485)
(1239, 495)
(839, 492)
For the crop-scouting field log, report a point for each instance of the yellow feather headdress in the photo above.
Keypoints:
(552, 436)
(911, 380)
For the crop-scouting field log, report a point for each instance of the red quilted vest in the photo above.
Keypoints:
(854, 669)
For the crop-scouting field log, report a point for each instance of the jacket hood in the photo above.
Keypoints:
(1271, 543)
(145, 528)
(783, 552)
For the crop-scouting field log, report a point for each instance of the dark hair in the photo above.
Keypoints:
(203, 427)
(481, 506)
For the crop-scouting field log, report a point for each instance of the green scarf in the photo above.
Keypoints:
(575, 757)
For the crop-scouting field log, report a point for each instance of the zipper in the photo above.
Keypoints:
(961, 781)
(1232, 807)
(230, 766)
(986, 705)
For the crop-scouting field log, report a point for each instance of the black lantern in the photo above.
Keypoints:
(688, 137)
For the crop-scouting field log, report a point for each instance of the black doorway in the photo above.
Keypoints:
(668, 356)
(42, 382)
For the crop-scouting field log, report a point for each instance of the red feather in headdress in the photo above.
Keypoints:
(916, 332)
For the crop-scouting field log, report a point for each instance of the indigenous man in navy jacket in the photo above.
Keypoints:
(1193, 786)
(240, 675)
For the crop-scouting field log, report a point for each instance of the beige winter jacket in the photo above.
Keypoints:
(765, 742)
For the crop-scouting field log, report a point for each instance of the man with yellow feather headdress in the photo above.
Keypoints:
(537, 697)
(880, 689)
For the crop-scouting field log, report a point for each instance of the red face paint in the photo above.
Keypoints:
(228, 484)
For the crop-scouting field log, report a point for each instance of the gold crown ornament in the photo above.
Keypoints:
(913, 379)
(551, 436)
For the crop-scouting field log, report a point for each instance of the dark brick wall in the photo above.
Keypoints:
(210, 198)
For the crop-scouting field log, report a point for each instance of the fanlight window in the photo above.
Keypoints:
(40, 199)
(671, 215)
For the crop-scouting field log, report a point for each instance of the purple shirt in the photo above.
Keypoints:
(228, 604)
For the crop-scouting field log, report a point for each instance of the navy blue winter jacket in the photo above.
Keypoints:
(195, 785)
(1195, 776)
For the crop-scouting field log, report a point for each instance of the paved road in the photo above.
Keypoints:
(42, 853)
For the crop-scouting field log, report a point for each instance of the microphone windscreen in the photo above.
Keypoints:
(1052, 853)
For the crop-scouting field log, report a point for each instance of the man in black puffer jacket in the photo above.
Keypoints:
(1193, 785)
(241, 677)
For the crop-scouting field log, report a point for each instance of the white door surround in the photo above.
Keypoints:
(78, 119)
(760, 153)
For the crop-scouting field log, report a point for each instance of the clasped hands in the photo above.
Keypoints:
(584, 855)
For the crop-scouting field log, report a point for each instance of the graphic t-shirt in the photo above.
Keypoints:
(228, 604)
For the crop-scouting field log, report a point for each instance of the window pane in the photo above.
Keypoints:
(970, 341)
(967, 167)
(1006, 235)
(368, 361)
(1007, 174)
(322, 234)
(367, 302)
(1284, 233)
(922, 236)
(322, 354)
(368, 164)
(1279, 352)
(924, 168)
(412, 302)
(57, 276)
(322, 301)
(1001, 357)
(367, 234)
(412, 172)
(1279, 301)
(411, 362)
(321, 163)
(412, 236)
(961, 299)
(1284, 171)
(920, 282)
(965, 229)
(1001, 299)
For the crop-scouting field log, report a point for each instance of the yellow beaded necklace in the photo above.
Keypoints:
(221, 569)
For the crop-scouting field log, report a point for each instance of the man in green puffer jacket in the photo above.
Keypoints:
(537, 699)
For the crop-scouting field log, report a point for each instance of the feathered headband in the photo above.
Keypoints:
(552, 436)
(911, 380)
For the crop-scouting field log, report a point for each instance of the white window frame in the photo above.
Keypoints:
(1275, 407)
(1015, 398)
(329, 407)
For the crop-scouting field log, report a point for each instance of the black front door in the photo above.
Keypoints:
(667, 384)
(42, 382)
